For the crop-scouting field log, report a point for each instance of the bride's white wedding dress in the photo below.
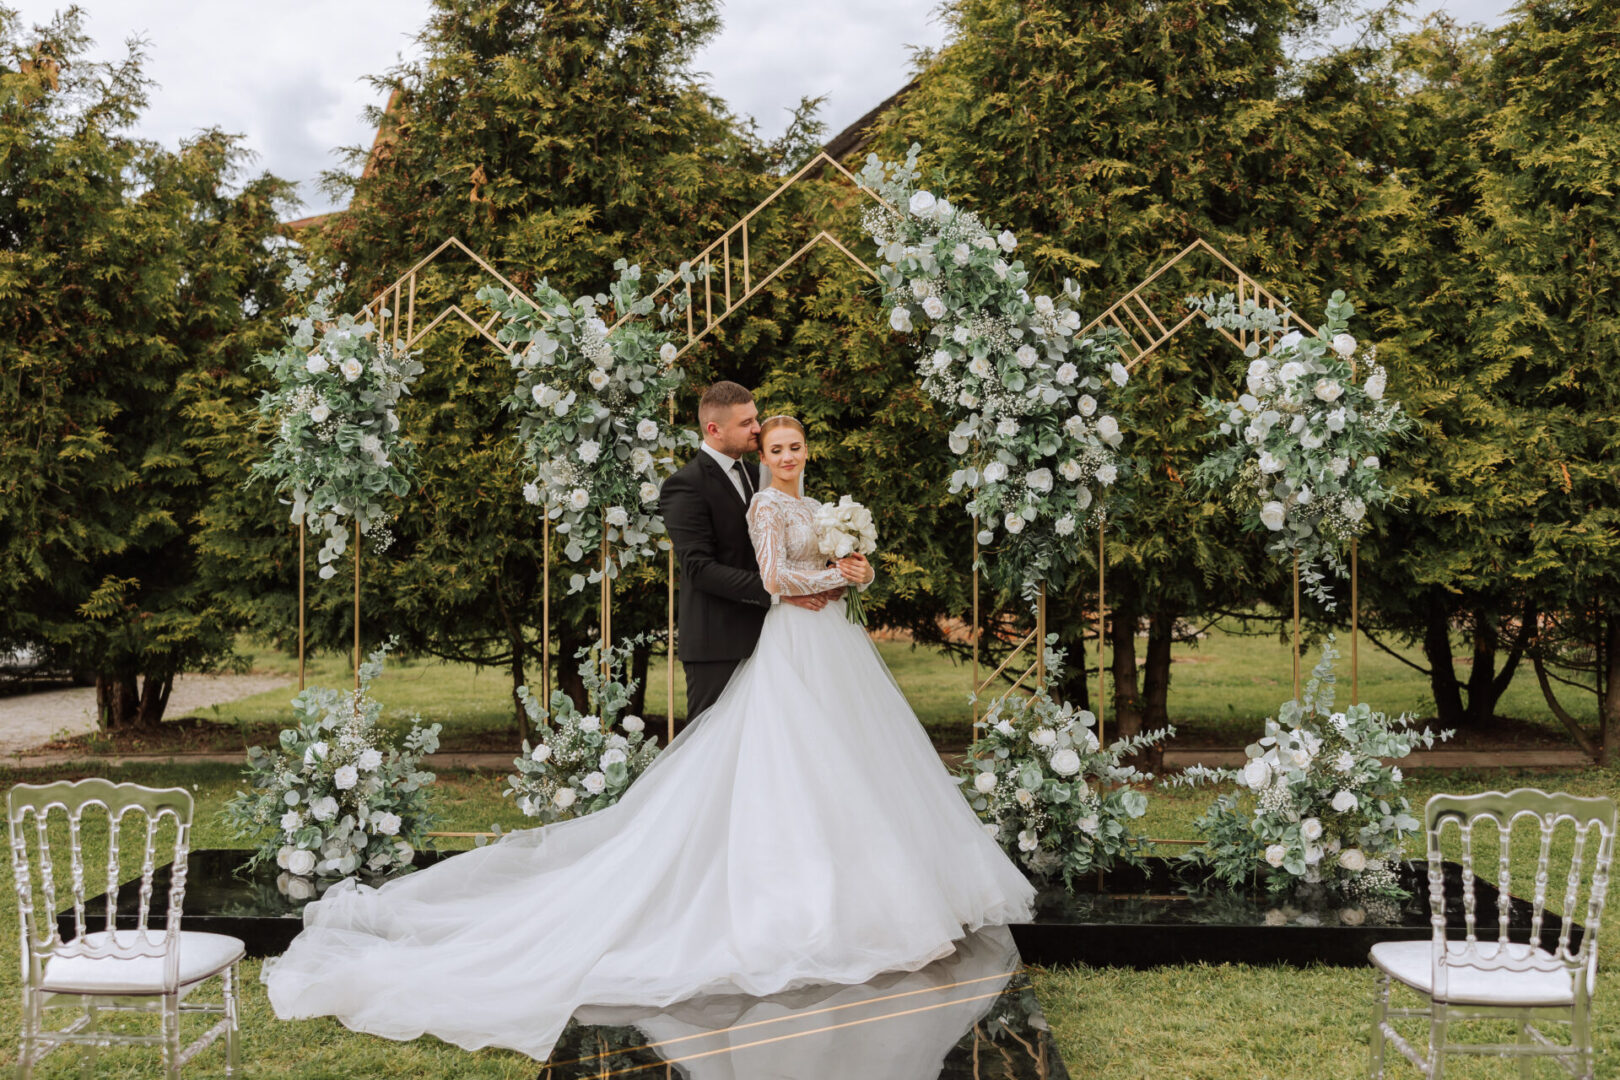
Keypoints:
(802, 831)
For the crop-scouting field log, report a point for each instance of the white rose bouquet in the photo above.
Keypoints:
(582, 762)
(1302, 452)
(1060, 804)
(592, 404)
(337, 448)
(1320, 805)
(334, 798)
(845, 528)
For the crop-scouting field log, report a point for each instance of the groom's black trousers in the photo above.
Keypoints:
(704, 682)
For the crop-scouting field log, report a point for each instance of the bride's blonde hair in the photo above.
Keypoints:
(783, 420)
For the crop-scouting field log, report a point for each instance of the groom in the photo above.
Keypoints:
(705, 503)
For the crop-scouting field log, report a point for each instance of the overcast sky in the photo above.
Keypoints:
(289, 74)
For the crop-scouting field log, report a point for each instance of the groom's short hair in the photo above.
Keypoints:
(718, 398)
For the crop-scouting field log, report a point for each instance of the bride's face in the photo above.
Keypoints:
(784, 452)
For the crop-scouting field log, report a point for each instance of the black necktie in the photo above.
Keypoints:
(742, 474)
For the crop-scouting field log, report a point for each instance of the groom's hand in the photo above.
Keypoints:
(814, 601)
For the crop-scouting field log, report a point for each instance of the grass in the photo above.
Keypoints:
(1196, 1022)
(1222, 687)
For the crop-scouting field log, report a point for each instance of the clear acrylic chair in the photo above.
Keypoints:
(138, 969)
(1524, 982)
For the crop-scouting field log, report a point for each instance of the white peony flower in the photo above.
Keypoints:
(1273, 514)
(1288, 341)
(387, 823)
(1044, 305)
(352, 369)
(922, 203)
(1291, 371)
(984, 783)
(641, 459)
(1070, 470)
(1353, 859)
(1345, 801)
(1257, 774)
(594, 783)
(1259, 369)
(320, 412)
(579, 499)
(934, 307)
(1065, 762)
(1339, 466)
(1311, 828)
(564, 798)
(613, 755)
(1013, 523)
(1007, 240)
(345, 777)
(1344, 345)
(900, 319)
(1336, 420)
(589, 450)
(1087, 404)
(1276, 853)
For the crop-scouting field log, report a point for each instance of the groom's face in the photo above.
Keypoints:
(737, 433)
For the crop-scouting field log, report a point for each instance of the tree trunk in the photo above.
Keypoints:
(1156, 675)
(1075, 686)
(117, 701)
(1122, 642)
(1442, 675)
(155, 689)
(1481, 677)
(520, 718)
(566, 677)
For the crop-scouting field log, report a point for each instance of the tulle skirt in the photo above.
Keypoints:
(801, 831)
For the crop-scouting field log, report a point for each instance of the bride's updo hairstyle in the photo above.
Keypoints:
(773, 422)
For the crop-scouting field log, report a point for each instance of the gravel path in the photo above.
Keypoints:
(30, 720)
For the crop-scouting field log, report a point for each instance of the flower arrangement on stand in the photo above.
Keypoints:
(334, 799)
(337, 448)
(1316, 804)
(592, 416)
(1040, 442)
(1301, 453)
(579, 763)
(1058, 802)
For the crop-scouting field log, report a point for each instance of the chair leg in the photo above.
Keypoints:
(29, 1045)
(88, 1056)
(171, 1036)
(1437, 1040)
(1580, 1030)
(231, 1018)
(1375, 1045)
(1527, 1064)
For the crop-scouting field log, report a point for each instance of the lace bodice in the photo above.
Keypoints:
(783, 530)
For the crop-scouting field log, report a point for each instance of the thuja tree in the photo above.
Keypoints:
(130, 278)
(1108, 136)
(552, 137)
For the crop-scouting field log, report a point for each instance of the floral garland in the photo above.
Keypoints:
(1326, 809)
(334, 798)
(579, 764)
(1302, 451)
(1028, 396)
(1057, 801)
(590, 406)
(337, 448)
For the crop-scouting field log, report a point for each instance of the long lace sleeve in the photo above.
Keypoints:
(770, 517)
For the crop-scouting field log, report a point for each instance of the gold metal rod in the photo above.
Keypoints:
(545, 610)
(746, 284)
(1355, 606)
(357, 606)
(410, 318)
(1102, 635)
(669, 636)
(1040, 639)
(1296, 626)
(708, 293)
(301, 576)
(1025, 640)
(726, 256)
(973, 629)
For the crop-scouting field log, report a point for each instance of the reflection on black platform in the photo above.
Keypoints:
(971, 1015)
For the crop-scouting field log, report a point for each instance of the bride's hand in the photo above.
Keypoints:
(856, 570)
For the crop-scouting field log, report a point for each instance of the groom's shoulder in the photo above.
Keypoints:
(687, 474)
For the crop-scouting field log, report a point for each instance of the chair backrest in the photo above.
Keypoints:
(40, 937)
(1547, 811)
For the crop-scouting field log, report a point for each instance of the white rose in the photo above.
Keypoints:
(324, 808)
(922, 203)
(1107, 474)
(1276, 853)
(1070, 469)
(991, 829)
(1375, 386)
(1353, 859)
(1067, 374)
(1395, 773)
(649, 492)
(597, 379)
(1013, 523)
(1108, 430)
(1339, 466)
(1024, 796)
(667, 352)
(320, 412)
(900, 319)
(647, 429)
(1065, 762)
(1119, 374)
(1089, 824)
(1003, 727)
(352, 369)
(1087, 404)
(618, 517)
(633, 723)
(594, 783)
(934, 307)
(1273, 514)
(1344, 345)
(1256, 774)
(1291, 371)
(1006, 427)
(1007, 240)
(1328, 389)
(541, 753)
(300, 863)
(564, 798)
(1311, 829)
(611, 756)
(317, 364)
(1345, 801)
(984, 783)
(1335, 420)
(590, 723)
(1345, 761)
(291, 821)
(1370, 461)
(1064, 525)
(1039, 480)
(1270, 463)
(1082, 498)
(1028, 840)
(1289, 340)
(387, 823)
(345, 777)
(980, 366)
(589, 451)
(1026, 356)
(641, 459)
(579, 499)
(371, 759)
(960, 254)
(1044, 305)
(995, 472)
(531, 493)
(314, 752)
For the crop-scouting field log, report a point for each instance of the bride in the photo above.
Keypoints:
(804, 832)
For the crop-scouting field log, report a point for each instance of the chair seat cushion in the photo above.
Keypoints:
(201, 955)
(1411, 963)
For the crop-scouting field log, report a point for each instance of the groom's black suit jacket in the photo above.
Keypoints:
(723, 603)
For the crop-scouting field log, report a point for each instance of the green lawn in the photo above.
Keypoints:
(1221, 690)
(1188, 1023)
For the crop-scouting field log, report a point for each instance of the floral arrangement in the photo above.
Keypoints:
(1057, 801)
(337, 448)
(579, 764)
(1322, 807)
(1302, 451)
(1040, 442)
(334, 799)
(592, 421)
(845, 528)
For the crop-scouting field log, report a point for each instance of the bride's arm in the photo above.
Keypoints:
(783, 576)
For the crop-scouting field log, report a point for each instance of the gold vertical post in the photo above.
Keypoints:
(1040, 639)
(1102, 634)
(301, 574)
(1296, 626)
(1355, 602)
(606, 601)
(669, 637)
(973, 629)
(545, 609)
(357, 604)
